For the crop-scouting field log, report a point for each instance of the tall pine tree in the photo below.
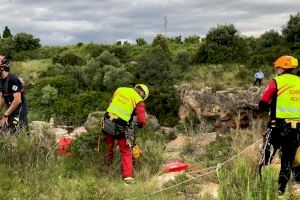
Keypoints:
(6, 33)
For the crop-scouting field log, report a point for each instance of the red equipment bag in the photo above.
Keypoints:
(174, 166)
(63, 145)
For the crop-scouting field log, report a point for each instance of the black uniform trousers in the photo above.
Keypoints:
(288, 139)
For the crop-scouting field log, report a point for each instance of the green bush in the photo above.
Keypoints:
(183, 58)
(68, 58)
(163, 102)
(107, 58)
(25, 41)
(154, 68)
(49, 94)
(116, 77)
(65, 85)
(94, 50)
(162, 42)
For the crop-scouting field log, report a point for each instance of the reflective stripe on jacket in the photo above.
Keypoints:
(288, 96)
(123, 103)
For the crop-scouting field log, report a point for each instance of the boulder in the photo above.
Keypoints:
(93, 120)
(58, 132)
(39, 127)
(78, 131)
(230, 108)
(209, 189)
(166, 177)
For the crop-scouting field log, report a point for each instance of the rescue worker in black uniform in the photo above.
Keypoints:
(12, 95)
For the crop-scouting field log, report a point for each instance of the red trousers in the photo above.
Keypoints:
(125, 152)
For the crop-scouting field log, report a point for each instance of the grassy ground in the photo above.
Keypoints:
(220, 77)
(30, 169)
(30, 70)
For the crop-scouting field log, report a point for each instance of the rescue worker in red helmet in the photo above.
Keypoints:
(125, 104)
(15, 116)
(282, 99)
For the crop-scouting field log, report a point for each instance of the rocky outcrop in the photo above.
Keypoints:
(93, 120)
(233, 107)
(39, 127)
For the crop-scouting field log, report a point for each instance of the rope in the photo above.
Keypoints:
(215, 169)
(201, 170)
(232, 158)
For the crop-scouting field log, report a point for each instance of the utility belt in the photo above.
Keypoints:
(114, 125)
(286, 123)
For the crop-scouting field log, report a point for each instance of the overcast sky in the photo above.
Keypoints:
(58, 22)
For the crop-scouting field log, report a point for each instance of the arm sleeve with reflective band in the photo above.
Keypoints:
(140, 112)
(267, 96)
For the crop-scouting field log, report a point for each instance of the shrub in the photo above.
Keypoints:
(107, 58)
(94, 50)
(68, 58)
(183, 58)
(163, 102)
(49, 94)
(162, 42)
(65, 85)
(154, 68)
(116, 77)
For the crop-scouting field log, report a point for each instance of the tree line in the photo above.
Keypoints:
(81, 78)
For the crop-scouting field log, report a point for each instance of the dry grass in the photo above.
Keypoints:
(218, 77)
(30, 70)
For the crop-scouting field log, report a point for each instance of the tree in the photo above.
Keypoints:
(291, 32)
(154, 68)
(7, 46)
(162, 42)
(6, 33)
(223, 44)
(176, 40)
(194, 39)
(269, 39)
(183, 58)
(25, 41)
(141, 41)
(268, 47)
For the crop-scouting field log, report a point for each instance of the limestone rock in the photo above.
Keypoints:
(58, 132)
(93, 120)
(38, 127)
(78, 131)
(164, 178)
(209, 189)
(233, 107)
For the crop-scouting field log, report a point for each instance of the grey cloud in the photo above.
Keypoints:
(72, 21)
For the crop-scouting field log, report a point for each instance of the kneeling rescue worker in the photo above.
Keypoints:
(15, 117)
(282, 99)
(126, 104)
